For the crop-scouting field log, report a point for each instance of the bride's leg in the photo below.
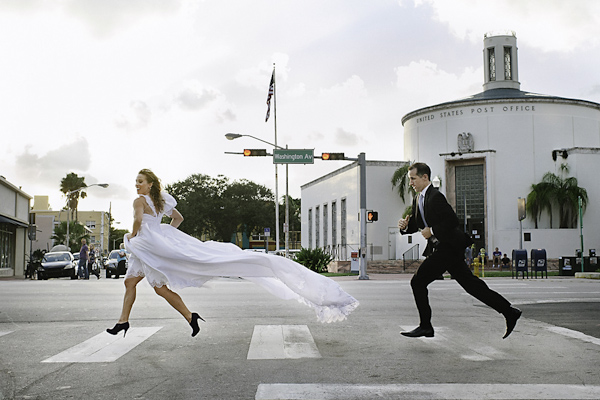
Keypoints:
(129, 298)
(175, 301)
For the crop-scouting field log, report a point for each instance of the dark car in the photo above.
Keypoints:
(113, 267)
(56, 265)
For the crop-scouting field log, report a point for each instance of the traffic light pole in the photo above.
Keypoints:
(362, 262)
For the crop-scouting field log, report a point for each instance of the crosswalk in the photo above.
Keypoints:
(427, 392)
(104, 347)
(272, 342)
(281, 342)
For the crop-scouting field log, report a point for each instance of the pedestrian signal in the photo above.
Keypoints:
(255, 152)
(332, 156)
(372, 216)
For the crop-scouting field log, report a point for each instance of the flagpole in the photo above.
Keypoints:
(276, 175)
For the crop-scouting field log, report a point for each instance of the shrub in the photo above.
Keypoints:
(313, 259)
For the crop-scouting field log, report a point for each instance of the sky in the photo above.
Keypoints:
(104, 88)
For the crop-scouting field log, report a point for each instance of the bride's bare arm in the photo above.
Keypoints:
(177, 218)
(138, 214)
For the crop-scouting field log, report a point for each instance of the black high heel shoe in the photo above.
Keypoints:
(118, 328)
(194, 324)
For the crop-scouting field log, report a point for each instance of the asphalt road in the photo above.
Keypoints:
(53, 344)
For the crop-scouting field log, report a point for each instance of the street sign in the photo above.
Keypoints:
(293, 156)
(267, 232)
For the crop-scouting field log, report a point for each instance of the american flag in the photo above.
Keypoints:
(271, 91)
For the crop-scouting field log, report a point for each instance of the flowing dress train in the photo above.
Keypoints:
(167, 256)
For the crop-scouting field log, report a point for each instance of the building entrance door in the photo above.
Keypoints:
(470, 201)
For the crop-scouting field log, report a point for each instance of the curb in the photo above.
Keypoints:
(587, 275)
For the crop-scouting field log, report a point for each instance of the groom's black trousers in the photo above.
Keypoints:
(444, 260)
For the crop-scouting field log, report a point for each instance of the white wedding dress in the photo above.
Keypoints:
(167, 256)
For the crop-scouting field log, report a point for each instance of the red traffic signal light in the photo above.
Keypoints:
(332, 156)
(255, 152)
(372, 216)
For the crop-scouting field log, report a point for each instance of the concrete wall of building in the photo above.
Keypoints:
(14, 205)
(343, 185)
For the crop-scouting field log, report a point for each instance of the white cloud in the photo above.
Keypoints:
(137, 117)
(423, 83)
(549, 25)
(51, 167)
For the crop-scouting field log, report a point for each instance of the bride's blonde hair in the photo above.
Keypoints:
(155, 189)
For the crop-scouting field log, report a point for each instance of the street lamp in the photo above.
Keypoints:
(232, 136)
(72, 192)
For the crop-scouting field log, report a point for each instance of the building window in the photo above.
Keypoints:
(333, 224)
(90, 224)
(325, 226)
(492, 63)
(343, 224)
(317, 228)
(310, 228)
(507, 64)
(7, 245)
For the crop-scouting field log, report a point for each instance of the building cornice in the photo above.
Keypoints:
(498, 96)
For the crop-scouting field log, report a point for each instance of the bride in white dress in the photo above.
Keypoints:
(167, 257)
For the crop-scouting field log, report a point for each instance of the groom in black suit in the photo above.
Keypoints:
(446, 243)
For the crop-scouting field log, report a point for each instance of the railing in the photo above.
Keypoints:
(411, 254)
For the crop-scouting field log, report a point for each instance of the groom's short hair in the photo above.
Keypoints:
(422, 169)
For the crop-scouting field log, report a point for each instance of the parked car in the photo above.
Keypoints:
(57, 264)
(76, 263)
(112, 265)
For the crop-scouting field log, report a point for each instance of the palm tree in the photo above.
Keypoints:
(401, 181)
(557, 191)
(70, 183)
(540, 200)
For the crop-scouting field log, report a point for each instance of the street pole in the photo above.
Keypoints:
(276, 175)
(362, 166)
(581, 229)
(287, 212)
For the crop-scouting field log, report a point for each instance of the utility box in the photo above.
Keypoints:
(354, 264)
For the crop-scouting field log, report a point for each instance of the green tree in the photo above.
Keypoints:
(295, 208)
(76, 233)
(68, 184)
(217, 209)
(116, 238)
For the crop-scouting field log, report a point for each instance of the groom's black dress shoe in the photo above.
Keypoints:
(512, 316)
(418, 332)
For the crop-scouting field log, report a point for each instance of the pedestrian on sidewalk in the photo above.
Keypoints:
(82, 270)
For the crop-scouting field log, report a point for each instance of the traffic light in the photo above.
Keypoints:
(372, 216)
(332, 156)
(255, 152)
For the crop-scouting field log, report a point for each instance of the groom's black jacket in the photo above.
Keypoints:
(442, 220)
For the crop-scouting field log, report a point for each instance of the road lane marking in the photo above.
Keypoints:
(574, 334)
(104, 347)
(2, 333)
(272, 342)
(427, 391)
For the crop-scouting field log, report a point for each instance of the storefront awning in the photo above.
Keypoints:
(12, 221)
